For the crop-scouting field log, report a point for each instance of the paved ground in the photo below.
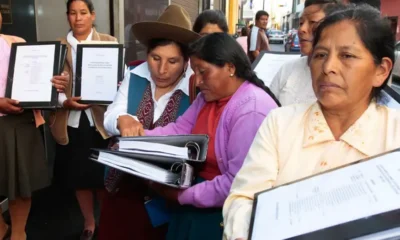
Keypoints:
(278, 47)
(55, 215)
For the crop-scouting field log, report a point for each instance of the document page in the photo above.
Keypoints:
(99, 74)
(33, 71)
(270, 64)
(156, 149)
(353, 192)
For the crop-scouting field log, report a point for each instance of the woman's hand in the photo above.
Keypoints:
(72, 103)
(129, 127)
(61, 82)
(169, 193)
(10, 106)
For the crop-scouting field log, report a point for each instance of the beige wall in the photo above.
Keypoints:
(192, 6)
(51, 21)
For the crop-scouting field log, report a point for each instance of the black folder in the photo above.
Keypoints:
(59, 60)
(347, 230)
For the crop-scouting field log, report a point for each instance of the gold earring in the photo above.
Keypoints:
(231, 75)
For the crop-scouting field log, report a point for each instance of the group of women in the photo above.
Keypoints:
(332, 95)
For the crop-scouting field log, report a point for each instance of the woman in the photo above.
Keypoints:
(156, 93)
(79, 127)
(292, 83)
(242, 40)
(232, 104)
(210, 21)
(349, 68)
(23, 165)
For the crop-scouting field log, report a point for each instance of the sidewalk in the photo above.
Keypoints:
(55, 215)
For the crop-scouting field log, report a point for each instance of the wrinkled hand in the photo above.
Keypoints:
(10, 106)
(72, 103)
(168, 193)
(61, 82)
(129, 127)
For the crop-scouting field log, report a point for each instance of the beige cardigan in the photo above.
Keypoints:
(59, 119)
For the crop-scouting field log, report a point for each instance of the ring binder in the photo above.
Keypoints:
(193, 155)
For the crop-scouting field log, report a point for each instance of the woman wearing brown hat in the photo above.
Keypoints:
(155, 93)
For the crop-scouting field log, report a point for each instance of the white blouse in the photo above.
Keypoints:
(75, 115)
(120, 105)
(292, 84)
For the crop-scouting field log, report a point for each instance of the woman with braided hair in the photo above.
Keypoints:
(230, 108)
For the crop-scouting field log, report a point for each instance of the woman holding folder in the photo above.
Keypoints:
(78, 127)
(349, 69)
(23, 165)
(156, 93)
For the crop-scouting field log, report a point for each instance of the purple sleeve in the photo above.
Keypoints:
(183, 124)
(213, 193)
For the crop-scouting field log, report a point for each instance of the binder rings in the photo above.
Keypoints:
(347, 202)
(197, 148)
(178, 175)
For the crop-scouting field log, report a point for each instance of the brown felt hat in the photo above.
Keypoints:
(173, 24)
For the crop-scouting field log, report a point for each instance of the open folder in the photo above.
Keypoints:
(351, 201)
(32, 66)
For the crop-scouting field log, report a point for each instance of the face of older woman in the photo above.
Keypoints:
(166, 65)
(80, 18)
(343, 70)
(213, 81)
(309, 20)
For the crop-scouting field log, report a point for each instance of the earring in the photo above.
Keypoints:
(231, 75)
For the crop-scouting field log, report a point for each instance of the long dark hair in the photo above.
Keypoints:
(213, 17)
(220, 49)
(374, 31)
(88, 3)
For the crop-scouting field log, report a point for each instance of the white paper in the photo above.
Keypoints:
(391, 102)
(138, 168)
(269, 65)
(156, 149)
(354, 192)
(99, 74)
(33, 71)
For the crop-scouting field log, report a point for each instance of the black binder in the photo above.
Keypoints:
(197, 144)
(348, 230)
(59, 60)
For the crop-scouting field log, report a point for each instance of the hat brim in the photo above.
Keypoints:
(145, 31)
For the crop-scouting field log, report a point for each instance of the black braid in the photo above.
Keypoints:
(252, 77)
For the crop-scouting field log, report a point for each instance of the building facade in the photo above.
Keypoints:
(391, 10)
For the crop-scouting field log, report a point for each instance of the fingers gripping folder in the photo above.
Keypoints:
(169, 160)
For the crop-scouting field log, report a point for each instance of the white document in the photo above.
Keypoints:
(156, 149)
(138, 168)
(269, 65)
(33, 71)
(99, 74)
(350, 193)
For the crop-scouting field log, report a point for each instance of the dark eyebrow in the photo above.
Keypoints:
(341, 48)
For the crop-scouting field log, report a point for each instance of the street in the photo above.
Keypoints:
(277, 47)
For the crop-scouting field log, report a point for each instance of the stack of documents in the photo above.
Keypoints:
(353, 201)
(169, 160)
